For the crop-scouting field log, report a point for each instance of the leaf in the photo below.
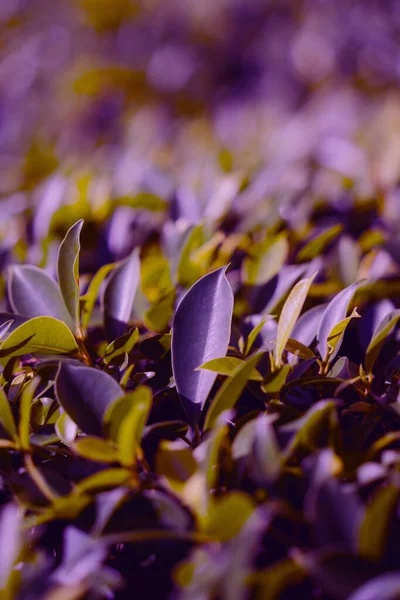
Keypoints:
(142, 200)
(274, 381)
(375, 527)
(25, 413)
(336, 334)
(251, 338)
(259, 268)
(384, 587)
(226, 366)
(89, 299)
(159, 315)
(96, 449)
(68, 270)
(316, 246)
(189, 272)
(121, 345)
(11, 521)
(66, 429)
(6, 416)
(131, 429)
(119, 295)
(299, 349)
(231, 390)
(33, 293)
(85, 394)
(334, 313)
(102, 480)
(227, 515)
(289, 315)
(201, 332)
(379, 337)
(40, 335)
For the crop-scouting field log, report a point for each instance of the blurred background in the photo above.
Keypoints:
(132, 113)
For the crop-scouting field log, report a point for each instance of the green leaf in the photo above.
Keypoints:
(259, 267)
(227, 365)
(189, 272)
(175, 462)
(7, 417)
(121, 345)
(290, 313)
(299, 349)
(159, 315)
(231, 390)
(253, 336)
(108, 478)
(89, 299)
(66, 429)
(316, 246)
(337, 332)
(131, 429)
(33, 293)
(379, 337)
(226, 516)
(274, 381)
(41, 335)
(68, 270)
(144, 201)
(375, 527)
(25, 408)
(96, 449)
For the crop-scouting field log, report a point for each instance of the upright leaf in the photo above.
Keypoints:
(119, 295)
(25, 412)
(85, 394)
(33, 293)
(68, 270)
(378, 338)
(231, 390)
(131, 429)
(289, 315)
(201, 332)
(89, 299)
(334, 313)
(6, 416)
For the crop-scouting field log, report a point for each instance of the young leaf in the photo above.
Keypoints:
(68, 270)
(66, 429)
(131, 429)
(121, 345)
(85, 394)
(201, 332)
(336, 334)
(334, 313)
(41, 335)
(96, 449)
(316, 246)
(25, 412)
(231, 390)
(227, 365)
(119, 295)
(33, 293)
(378, 339)
(89, 299)
(6, 416)
(289, 315)
(299, 349)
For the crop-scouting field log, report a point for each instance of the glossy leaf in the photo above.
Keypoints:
(25, 413)
(290, 313)
(336, 334)
(119, 295)
(40, 335)
(6, 416)
(227, 365)
(231, 390)
(85, 394)
(33, 293)
(379, 337)
(96, 449)
(335, 312)
(66, 428)
(121, 345)
(68, 270)
(201, 332)
(131, 429)
(89, 299)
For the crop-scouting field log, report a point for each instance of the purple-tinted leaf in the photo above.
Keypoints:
(379, 337)
(371, 319)
(11, 520)
(384, 587)
(119, 295)
(33, 293)
(335, 311)
(201, 332)
(85, 393)
(285, 279)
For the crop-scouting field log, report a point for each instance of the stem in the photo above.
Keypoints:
(38, 478)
